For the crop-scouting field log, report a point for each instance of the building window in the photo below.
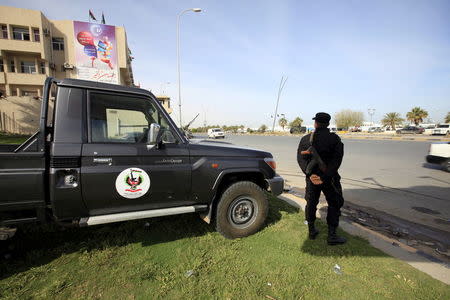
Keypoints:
(12, 66)
(4, 32)
(36, 34)
(58, 43)
(42, 67)
(21, 33)
(2, 68)
(27, 67)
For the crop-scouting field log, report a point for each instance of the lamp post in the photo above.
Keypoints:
(162, 89)
(178, 53)
(282, 83)
(371, 112)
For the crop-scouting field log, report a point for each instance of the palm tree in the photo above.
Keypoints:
(282, 122)
(447, 118)
(391, 119)
(296, 123)
(416, 115)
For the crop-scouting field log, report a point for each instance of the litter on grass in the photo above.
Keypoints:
(337, 269)
(189, 273)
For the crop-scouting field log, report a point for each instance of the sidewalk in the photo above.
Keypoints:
(418, 260)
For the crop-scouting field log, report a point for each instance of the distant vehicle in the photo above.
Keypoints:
(442, 129)
(241, 130)
(215, 133)
(355, 129)
(333, 129)
(410, 130)
(375, 129)
(440, 154)
(298, 129)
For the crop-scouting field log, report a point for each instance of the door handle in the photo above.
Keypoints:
(103, 160)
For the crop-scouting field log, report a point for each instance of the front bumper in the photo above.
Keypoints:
(276, 185)
(433, 159)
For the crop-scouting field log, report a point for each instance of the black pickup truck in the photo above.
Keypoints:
(107, 153)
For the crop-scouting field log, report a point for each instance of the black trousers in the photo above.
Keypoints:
(333, 193)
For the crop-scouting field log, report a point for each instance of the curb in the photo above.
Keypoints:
(375, 138)
(417, 259)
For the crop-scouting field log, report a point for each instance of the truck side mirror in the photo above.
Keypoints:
(153, 133)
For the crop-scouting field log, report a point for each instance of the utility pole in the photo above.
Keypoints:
(282, 83)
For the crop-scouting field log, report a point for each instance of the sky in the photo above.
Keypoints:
(385, 55)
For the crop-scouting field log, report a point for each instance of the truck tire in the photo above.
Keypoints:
(242, 210)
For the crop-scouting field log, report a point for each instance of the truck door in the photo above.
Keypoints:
(120, 171)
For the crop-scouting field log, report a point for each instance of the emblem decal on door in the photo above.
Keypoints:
(132, 183)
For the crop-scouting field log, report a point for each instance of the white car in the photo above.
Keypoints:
(215, 133)
(442, 129)
(440, 154)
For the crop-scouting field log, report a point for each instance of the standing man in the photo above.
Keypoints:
(323, 176)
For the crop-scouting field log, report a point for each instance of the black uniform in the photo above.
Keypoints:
(331, 150)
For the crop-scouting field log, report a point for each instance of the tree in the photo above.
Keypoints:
(392, 119)
(447, 118)
(262, 128)
(282, 122)
(349, 118)
(416, 115)
(296, 123)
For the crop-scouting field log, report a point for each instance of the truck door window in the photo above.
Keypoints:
(124, 119)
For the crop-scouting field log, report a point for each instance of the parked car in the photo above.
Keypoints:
(410, 130)
(442, 129)
(297, 130)
(216, 133)
(355, 129)
(78, 171)
(440, 154)
(375, 129)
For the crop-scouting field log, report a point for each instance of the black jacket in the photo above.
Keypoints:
(330, 149)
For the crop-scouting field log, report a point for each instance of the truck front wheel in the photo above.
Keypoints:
(242, 210)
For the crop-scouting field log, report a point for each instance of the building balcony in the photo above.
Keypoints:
(25, 78)
(22, 46)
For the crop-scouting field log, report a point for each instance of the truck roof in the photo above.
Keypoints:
(102, 86)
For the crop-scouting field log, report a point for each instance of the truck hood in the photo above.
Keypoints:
(200, 147)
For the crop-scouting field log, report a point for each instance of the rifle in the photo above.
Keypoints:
(316, 160)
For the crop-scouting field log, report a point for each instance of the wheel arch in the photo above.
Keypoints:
(226, 179)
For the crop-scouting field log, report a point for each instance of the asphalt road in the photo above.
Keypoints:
(389, 176)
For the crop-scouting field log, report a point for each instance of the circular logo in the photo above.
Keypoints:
(132, 183)
(96, 29)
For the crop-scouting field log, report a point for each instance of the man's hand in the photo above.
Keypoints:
(316, 180)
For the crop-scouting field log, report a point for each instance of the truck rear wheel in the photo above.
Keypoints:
(242, 210)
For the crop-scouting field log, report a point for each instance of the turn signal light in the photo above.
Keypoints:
(271, 162)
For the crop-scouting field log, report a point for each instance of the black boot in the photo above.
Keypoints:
(333, 238)
(313, 232)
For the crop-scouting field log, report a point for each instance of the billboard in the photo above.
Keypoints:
(96, 52)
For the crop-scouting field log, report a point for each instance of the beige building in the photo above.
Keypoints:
(165, 102)
(33, 47)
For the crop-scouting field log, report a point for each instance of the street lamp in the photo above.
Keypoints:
(162, 89)
(282, 83)
(178, 53)
(371, 112)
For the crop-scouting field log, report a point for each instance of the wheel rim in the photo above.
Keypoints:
(242, 211)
